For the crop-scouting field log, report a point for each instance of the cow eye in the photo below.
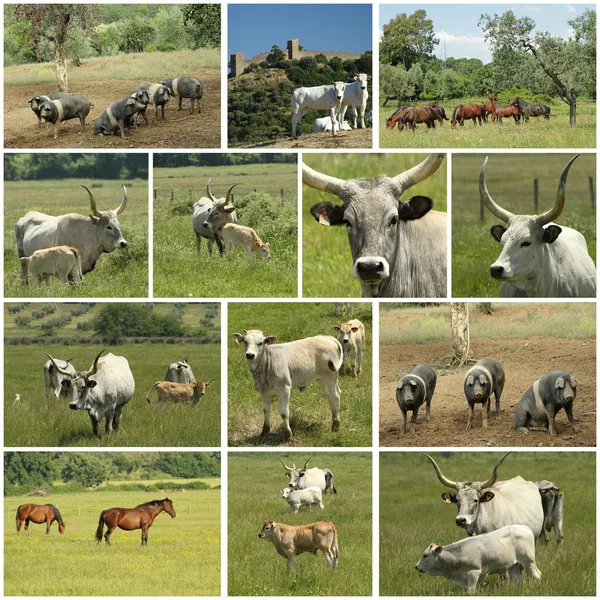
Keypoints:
(525, 244)
(260, 343)
(395, 220)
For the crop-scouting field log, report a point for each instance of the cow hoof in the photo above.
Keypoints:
(264, 432)
(524, 430)
(287, 436)
(335, 425)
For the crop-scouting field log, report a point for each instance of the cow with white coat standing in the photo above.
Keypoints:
(296, 499)
(322, 97)
(355, 95)
(277, 368)
(352, 337)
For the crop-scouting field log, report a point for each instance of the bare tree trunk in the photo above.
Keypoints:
(459, 322)
(572, 108)
(60, 62)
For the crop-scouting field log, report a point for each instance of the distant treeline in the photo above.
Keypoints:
(28, 167)
(220, 159)
(110, 29)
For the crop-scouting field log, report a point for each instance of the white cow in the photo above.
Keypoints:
(538, 261)
(323, 124)
(62, 262)
(307, 497)
(277, 368)
(245, 238)
(468, 561)
(356, 94)
(352, 337)
(321, 97)
(302, 478)
(180, 372)
(53, 380)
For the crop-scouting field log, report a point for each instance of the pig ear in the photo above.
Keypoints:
(560, 383)
(238, 337)
(415, 208)
(400, 385)
(486, 496)
(482, 379)
(413, 383)
(497, 232)
(328, 213)
(573, 381)
(131, 101)
(470, 380)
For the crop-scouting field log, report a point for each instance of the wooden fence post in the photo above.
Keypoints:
(592, 191)
(155, 193)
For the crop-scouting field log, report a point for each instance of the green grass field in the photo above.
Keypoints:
(179, 272)
(412, 516)
(255, 568)
(538, 133)
(310, 417)
(144, 66)
(182, 557)
(326, 257)
(122, 273)
(35, 421)
(510, 183)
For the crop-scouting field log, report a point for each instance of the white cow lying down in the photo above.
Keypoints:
(323, 124)
(468, 561)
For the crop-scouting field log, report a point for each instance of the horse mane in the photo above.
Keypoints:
(151, 503)
(56, 514)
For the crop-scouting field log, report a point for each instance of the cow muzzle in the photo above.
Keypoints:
(371, 269)
(250, 356)
(123, 244)
(73, 405)
(461, 521)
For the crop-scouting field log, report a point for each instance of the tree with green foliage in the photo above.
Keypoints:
(276, 58)
(86, 468)
(55, 23)
(408, 39)
(203, 22)
(570, 64)
(29, 468)
(189, 464)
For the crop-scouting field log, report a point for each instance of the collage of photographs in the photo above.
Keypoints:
(300, 276)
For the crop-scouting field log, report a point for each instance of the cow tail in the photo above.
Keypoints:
(100, 527)
(77, 256)
(18, 519)
(148, 394)
(334, 545)
(329, 482)
(335, 366)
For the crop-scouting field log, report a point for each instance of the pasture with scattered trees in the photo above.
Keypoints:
(150, 336)
(51, 184)
(182, 556)
(265, 198)
(103, 52)
(536, 66)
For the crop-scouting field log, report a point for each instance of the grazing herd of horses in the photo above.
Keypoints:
(140, 517)
(410, 116)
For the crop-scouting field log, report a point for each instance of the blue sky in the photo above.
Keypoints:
(254, 28)
(457, 23)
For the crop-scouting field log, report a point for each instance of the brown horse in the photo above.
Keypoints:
(39, 513)
(427, 114)
(141, 517)
(390, 123)
(499, 110)
(467, 111)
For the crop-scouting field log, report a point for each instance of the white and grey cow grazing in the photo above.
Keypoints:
(355, 95)
(296, 499)
(62, 262)
(540, 259)
(168, 391)
(398, 247)
(180, 372)
(92, 235)
(277, 368)
(352, 337)
(303, 478)
(550, 393)
(321, 97)
(467, 562)
(53, 380)
(245, 238)
(210, 215)
(323, 125)
(485, 506)
(290, 540)
(103, 390)
(484, 378)
(553, 500)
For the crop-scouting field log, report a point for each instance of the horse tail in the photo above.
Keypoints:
(100, 527)
(148, 394)
(455, 111)
(18, 519)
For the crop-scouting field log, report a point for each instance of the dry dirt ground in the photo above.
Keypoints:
(523, 360)
(179, 130)
(357, 138)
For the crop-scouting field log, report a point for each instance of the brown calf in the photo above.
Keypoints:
(179, 392)
(290, 540)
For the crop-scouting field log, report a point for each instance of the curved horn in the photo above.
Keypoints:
(496, 210)
(320, 181)
(94, 368)
(421, 172)
(228, 197)
(61, 371)
(210, 380)
(92, 201)
(210, 194)
(306, 464)
(559, 204)
(284, 465)
(123, 202)
(492, 480)
(444, 480)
